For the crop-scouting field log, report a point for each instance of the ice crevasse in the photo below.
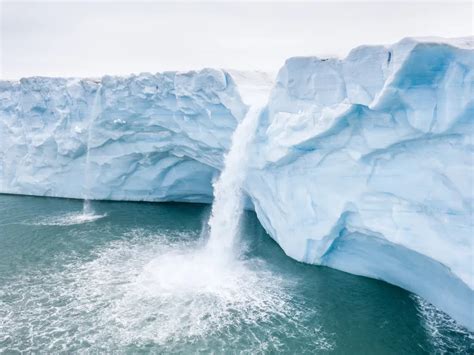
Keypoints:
(364, 164)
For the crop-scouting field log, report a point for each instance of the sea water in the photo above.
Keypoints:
(113, 284)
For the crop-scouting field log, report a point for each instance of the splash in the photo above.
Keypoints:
(439, 328)
(155, 290)
(228, 198)
(67, 219)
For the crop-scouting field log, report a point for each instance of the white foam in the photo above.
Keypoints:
(69, 219)
(439, 326)
(192, 295)
(150, 290)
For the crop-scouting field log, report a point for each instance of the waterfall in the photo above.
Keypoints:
(93, 114)
(228, 197)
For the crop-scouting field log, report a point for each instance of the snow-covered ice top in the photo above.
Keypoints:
(363, 164)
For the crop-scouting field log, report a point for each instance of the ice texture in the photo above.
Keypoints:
(364, 164)
(154, 138)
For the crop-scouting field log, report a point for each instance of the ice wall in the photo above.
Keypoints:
(366, 165)
(156, 138)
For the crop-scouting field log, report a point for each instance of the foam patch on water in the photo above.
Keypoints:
(68, 219)
(150, 291)
(439, 326)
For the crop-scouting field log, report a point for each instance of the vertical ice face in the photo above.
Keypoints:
(158, 137)
(368, 166)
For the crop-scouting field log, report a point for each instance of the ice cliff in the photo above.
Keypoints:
(363, 164)
(146, 137)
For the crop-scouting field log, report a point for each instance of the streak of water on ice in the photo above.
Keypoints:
(93, 114)
(87, 210)
(87, 214)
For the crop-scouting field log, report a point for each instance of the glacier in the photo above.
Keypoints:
(363, 164)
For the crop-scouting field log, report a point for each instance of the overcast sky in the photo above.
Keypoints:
(63, 38)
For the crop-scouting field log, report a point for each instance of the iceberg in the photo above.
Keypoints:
(363, 164)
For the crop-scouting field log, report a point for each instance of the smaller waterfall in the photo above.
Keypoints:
(228, 198)
(93, 114)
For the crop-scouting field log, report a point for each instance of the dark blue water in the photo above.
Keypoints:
(134, 279)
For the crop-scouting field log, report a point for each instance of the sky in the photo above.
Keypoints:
(91, 39)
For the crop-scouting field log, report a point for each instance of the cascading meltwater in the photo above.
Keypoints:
(94, 113)
(228, 197)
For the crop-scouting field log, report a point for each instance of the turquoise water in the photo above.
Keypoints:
(132, 279)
